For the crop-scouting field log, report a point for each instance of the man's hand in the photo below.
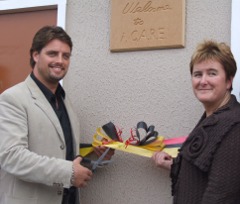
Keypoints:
(81, 174)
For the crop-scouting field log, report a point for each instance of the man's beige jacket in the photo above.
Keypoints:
(32, 147)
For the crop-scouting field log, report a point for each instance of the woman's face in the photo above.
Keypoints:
(209, 82)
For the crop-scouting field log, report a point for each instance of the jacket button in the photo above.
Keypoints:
(62, 147)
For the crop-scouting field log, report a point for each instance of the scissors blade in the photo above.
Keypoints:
(96, 163)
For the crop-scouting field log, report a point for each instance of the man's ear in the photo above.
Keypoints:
(35, 55)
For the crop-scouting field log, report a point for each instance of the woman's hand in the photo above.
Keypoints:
(162, 160)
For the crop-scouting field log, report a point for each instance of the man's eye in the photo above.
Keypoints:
(66, 57)
(51, 54)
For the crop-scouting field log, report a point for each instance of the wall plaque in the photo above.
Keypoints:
(144, 24)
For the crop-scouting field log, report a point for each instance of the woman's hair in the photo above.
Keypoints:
(44, 36)
(221, 52)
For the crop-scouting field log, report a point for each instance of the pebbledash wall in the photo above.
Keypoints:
(128, 87)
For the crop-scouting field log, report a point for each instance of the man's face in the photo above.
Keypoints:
(52, 63)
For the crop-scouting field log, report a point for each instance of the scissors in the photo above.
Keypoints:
(112, 132)
(93, 164)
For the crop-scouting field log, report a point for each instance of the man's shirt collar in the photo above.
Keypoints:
(48, 94)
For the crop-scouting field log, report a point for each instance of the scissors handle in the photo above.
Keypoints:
(86, 161)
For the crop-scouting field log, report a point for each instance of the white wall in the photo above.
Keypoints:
(235, 44)
(128, 87)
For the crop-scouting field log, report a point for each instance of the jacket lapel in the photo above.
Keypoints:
(73, 121)
(41, 101)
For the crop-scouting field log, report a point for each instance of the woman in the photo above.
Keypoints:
(207, 168)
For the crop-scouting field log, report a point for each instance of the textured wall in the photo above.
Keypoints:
(128, 87)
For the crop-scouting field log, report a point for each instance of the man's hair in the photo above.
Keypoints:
(221, 52)
(44, 36)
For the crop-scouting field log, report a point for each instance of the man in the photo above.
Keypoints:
(39, 130)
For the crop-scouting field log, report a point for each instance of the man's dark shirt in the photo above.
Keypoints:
(56, 101)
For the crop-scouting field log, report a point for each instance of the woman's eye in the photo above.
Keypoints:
(196, 75)
(212, 74)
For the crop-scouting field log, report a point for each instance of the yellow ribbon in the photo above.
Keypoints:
(85, 151)
(173, 152)
(100, 139)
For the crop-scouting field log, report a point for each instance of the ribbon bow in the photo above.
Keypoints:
(148, 135)
(143, 141)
